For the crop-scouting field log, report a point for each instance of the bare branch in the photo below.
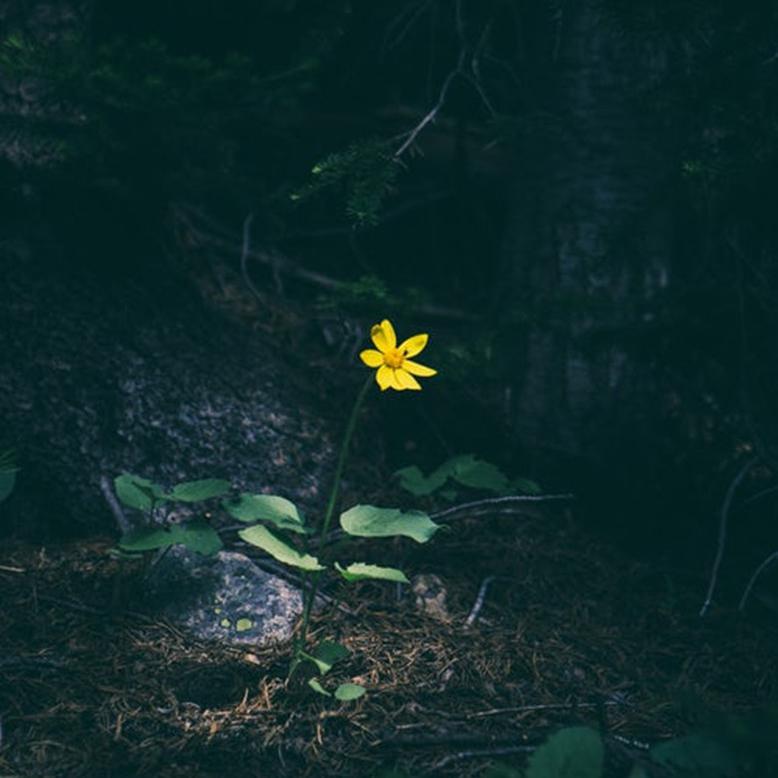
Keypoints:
(759, 570)
(725, 508)
(492, 502)
(110, 497)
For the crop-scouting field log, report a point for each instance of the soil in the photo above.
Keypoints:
(571, 632)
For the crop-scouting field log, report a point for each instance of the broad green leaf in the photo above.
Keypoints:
(477, 474)
(326, 655)
(7, 481)
(367, 521)
(196, 535)
(317, 687)
(136, 492)
(197, 491)
(146, 539)
(279, 511)
(262, 538)
(637, 772)
(349, 691)
(359, 571)
(575, 752)
(414, 481)
(696, 755)
(466, 469)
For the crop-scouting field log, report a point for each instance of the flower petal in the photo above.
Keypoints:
(371, 357)
(406, 380)
(414, 345)
(416, 369)
(379, 338)
(391, 338)
(384, 377)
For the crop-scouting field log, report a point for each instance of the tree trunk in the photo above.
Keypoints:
(588, 247)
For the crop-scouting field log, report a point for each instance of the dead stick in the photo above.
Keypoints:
(723, 531)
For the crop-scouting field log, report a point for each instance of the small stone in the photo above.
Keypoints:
(431, 596)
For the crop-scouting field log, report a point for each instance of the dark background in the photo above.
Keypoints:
(587, 228)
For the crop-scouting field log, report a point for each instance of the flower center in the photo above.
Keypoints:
(394, 358)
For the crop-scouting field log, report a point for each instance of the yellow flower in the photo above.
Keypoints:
(395, 370)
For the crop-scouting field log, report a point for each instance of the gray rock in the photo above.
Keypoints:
(224, 597)
(102, 375)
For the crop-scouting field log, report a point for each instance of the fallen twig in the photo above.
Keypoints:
(479, 602)
(490, 502)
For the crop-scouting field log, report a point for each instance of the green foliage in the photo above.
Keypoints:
(576, 752)
(198, 491)
(358, 571)
(279, 511)
(364, 174)
(696, 756)
(197, 535)
(733, 746)
(8, 472)
(326, 655)
(347, 692)
(465, 470)
(261, 537)
(367, 521)
(138, 493)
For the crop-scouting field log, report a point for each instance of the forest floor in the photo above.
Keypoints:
(571, 632)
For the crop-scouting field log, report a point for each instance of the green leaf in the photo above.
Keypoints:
(367, 521)
(317, 687)
(575, 752)
(136, 492)
(197, 491)
(326, 655)
(477, 474)
(637, 772)
(349, 691)
(279, 511)
(358, 571)
(696, 755)
(466, 469)
(414, 481)
(262, 538)
(196, 535)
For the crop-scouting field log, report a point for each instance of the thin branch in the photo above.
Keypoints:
(244, 255)
(490, 502)
(759, 495)
(479, 602)
(724, 518)
(572, 706)
(433, 112)
(412, 12)
(110, 497)
(481, 752)
(759, 570)
(282, 263)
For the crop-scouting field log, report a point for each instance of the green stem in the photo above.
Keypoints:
(310, 594)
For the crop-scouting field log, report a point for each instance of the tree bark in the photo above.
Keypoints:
(589, 243)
